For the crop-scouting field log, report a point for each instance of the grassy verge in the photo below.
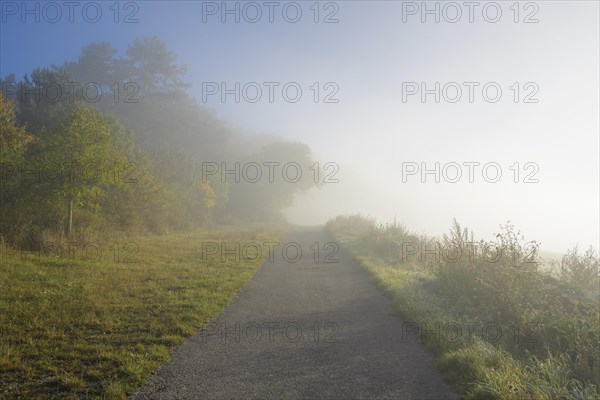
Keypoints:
(96, 324)
(504, 330)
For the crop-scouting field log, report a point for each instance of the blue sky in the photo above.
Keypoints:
(371, 132)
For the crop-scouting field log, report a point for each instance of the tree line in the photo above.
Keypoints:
(108, 142)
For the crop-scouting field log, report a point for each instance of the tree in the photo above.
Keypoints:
(151, 98)
(265, 199)
(13, 143)
(90, 146)
(45, 98)
(153, 67)
(97, 64)
(13, 139)
(86, 150)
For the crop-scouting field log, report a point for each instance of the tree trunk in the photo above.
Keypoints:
(70, 222)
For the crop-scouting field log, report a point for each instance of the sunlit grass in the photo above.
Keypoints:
(76, 329)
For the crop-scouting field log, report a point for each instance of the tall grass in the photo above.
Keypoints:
(502, 327)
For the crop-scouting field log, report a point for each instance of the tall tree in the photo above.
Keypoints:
(44, 98)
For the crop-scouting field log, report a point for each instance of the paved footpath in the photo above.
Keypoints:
(303, 330)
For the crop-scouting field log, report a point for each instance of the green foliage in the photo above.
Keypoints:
(129, 160)
(84, 142)
(189, 198)
(44, 99)
(13, 139)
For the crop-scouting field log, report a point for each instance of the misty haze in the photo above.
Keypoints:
(299, 200)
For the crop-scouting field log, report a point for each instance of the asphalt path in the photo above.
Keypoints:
(303, 328)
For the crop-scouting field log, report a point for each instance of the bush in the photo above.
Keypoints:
(581, 272)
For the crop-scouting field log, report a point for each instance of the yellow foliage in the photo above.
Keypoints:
(13, 139)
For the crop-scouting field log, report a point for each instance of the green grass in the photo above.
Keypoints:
(553, 355)
(74, 328)
(479, 369)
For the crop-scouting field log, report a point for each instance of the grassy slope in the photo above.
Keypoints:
(82, 329)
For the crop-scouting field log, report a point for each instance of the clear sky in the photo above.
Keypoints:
(373, 55)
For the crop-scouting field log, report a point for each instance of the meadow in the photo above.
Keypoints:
(95, 325)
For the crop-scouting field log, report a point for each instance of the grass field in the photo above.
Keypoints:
(97, 324)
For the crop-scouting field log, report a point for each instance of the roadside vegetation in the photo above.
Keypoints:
(500, 326)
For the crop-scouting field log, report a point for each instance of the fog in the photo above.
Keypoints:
(299, 199)
(371, 131)
(369, 63)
